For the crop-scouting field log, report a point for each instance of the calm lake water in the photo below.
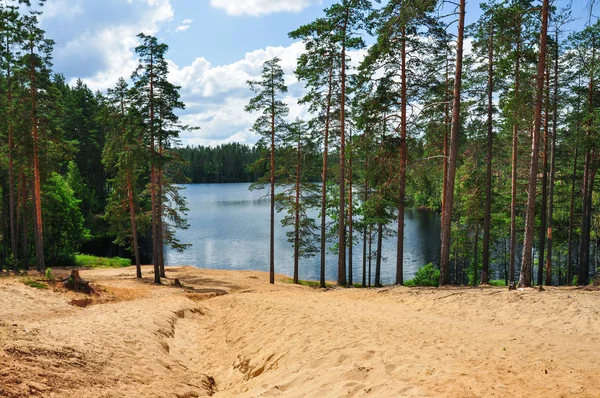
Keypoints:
(229, 229)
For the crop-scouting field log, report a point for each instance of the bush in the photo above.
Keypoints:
(427, 275)
(49, 275)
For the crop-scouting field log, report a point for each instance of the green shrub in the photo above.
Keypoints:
(49, 275)
(498, 282)
(85, 260)
(575, 280)
(427, 275)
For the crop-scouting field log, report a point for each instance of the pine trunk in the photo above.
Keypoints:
(341, 280)
(403, 161)
(526, 262)
(571, 220)
(552, 169)
(324, 181)
(449, 199)
(297, 214)
(488, 180)
(378, 261)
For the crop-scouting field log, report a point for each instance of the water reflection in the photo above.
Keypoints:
(229, 229)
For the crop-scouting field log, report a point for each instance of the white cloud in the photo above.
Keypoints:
(257, 8)
(185, 25)
(99, 47)
(216, 95)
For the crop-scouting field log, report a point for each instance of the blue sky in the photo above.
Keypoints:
(215, 46)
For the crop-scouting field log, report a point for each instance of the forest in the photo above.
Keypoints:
(494, 125)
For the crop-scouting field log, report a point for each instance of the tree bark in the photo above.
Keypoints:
(342, 217)
(350, 226)
(297, 213)
(514, 167)
(324, 179)
(272, 215)
(378, 261)
(488, 180)
(153, 178)
(544, 204)
(552, 168)
(449, 199)
(37, 189)
(571, 221)
(526, 262)
(403, 161)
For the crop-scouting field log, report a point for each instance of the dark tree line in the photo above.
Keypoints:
(218, 164)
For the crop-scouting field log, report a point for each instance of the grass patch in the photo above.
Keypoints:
(498, 282)
(85, 260)
(37, 285)
(314, 284)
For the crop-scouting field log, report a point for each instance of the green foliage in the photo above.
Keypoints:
(498, 282)
(64, 229)
(35, 284)
(575, 280)
(85, 260)
(427, 275)
(49, 275)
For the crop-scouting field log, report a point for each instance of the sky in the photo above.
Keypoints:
(215, 46)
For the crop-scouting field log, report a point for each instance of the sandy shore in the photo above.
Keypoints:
(231, 334)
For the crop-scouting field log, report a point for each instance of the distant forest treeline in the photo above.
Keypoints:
(223, 163)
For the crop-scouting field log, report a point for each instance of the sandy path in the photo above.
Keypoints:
(285, 340)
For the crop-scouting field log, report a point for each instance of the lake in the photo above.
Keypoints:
(229, 229)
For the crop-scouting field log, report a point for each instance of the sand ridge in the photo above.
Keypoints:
(231, 334)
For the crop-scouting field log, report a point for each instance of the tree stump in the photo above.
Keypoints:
(77, 283)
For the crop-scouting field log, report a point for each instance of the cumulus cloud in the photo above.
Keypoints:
(257, 8)
(216, 95)
(97, 43)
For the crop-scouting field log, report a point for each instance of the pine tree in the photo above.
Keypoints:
(270, 125)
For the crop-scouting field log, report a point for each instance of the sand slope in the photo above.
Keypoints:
(230, 334)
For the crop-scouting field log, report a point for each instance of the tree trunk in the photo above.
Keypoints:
(153, 182)
(544, 204)
(488, 180)
(475, 254)
(526, 262)
(514, 168)
(324, 180)
(11, 175)
(403, 161)
(25, 226)
(350, 226)
(297, 213)
(552, 169)
(272, 216)
(571, 221)
(342, 217)
(449, 199)
(378, 262)
(160, 244)
(37, 186)
(370, 251)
